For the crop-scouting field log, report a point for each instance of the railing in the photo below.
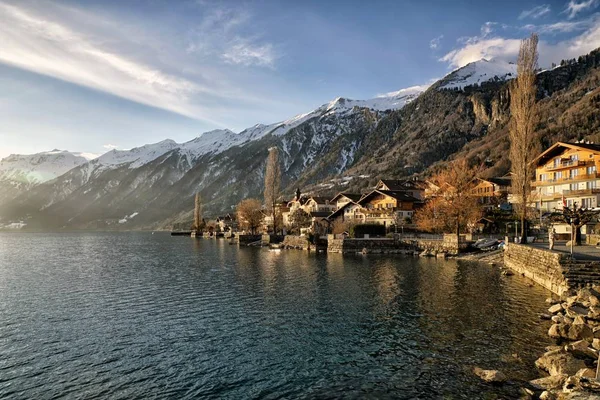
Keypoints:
(579, 192)
(575, 178)
(567, 164)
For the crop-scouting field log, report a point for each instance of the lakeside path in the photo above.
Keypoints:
(583, 252)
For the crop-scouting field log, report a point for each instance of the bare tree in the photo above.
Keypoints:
(576, 217)
(272, 183)
(453, 207)
(250, 215)
(524, 143)
(197, 213)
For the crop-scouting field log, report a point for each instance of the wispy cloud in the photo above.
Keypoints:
(36, 43)
(574, 7)
(491, 46)
(535, 12)
(221, 33)
(434, 43)
(110, 146)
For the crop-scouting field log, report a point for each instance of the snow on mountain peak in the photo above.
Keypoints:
(137, 156)
(479, 71)
(39, 167)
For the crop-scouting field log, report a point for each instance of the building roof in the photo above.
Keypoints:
(560, 147)
(398, 195)
(354, 197)
(320, 214)
(319, 199)
(340, 210)
(500, 181)
(401, 184)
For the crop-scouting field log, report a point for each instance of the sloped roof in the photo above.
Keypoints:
(401, 184)
(319, 199)
(398, 195)
(500, 181)
(560, 147)
(320, 214)
(341, 210)
(352, 196)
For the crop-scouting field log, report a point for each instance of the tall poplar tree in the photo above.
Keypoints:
(272, 184)
(197, 213)
(524, 143)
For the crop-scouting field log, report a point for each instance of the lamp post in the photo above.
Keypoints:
(572, 237)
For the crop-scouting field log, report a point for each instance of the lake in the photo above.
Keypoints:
(141, 315)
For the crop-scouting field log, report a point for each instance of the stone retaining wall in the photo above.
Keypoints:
(367, 245)
(552, 270)
(245, 240)
(296, 242)
(542, 266)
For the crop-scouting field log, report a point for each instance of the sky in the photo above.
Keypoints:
(90, 76)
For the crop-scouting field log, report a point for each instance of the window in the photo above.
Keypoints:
(573, 186)
(590, 170)
(557, 161)
(573, 173)
(558, 175)
(586, 203)
(591, 185)
(569, 203)
(574, 157)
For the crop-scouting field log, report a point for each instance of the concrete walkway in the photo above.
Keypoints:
(583, 252)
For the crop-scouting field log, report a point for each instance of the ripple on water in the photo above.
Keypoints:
(134, 315)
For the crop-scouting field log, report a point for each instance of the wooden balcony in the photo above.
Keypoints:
(567, 179)
(568, 164)
(581, 192)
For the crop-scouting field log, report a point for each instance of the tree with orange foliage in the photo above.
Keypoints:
(452, 207)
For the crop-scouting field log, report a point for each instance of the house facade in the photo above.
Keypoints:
(385, 206)
(567, 172)
(492, 192)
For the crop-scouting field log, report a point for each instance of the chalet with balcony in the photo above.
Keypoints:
(386, 206)
(569, 172)
(413, 187)
(492, 192)
(341, 199)
(319, 204)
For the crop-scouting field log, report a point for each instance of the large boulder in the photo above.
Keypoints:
(581, 349)
(555, 308)
(571, 332)
(490, 375)
(559, 362)
(549, 382)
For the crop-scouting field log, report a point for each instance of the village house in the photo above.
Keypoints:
(413, 187)
(226, 223)
(350, 212)
(567, 173)
(341, 199)
(492, 192)
(386, 207)
(318, 204)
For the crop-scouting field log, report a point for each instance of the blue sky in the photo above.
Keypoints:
(94, 75)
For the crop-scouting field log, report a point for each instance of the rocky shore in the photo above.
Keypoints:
(573, 362)
(570, 365)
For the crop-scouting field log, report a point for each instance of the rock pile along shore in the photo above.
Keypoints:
(572, 363)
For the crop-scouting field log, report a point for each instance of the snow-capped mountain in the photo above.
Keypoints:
(478, 72)
(40, 167)
(392, 135)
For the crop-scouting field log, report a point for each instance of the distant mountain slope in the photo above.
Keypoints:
(344, 144)
(156, 181)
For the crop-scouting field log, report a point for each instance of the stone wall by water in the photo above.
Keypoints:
(296, 242)
(552, 270)
(245, 240)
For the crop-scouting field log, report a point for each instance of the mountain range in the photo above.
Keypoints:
(342, 145)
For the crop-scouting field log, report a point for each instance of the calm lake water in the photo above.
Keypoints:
(139, 316)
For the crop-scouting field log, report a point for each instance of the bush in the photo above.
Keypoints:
(360, 230)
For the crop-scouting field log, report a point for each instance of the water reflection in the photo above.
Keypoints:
(152, 315)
